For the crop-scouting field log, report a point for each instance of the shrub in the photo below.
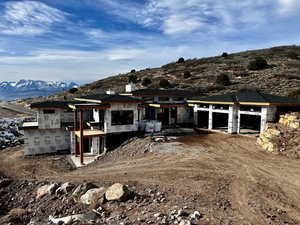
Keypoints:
(164, 83)
(258, 63)
(73, 90)
(180, 60)
(187, 74)
(132, 71)
(292, 55)
(224, 54)
(223, 79)
(132, 78)
(146, 81)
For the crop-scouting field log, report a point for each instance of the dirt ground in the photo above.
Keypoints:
(11, 113)
(228, 178)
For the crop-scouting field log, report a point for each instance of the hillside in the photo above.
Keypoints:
(281, 76)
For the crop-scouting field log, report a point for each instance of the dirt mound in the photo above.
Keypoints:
(134, 147)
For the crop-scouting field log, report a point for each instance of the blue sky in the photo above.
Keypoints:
(86, 40)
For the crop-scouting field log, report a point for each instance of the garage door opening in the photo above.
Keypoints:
(203, 117)
(250, 124)
(220, 121)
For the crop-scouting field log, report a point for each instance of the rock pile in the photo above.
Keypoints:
(10, 135)
(43, 203)
(267, 138)
(284, 137)
(291, 120)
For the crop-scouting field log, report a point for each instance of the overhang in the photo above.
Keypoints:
(90, 133)
(167, 105)
(88, 106)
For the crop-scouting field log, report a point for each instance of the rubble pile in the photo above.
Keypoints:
(291, 120)
(284, 137)
(10, 136)
(43, 203)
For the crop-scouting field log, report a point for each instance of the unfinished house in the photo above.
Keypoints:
(170, 106)
(100, 121)
(48, 134)
(86, 127)
(241, 112)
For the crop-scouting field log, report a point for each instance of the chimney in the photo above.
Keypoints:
(130, 87)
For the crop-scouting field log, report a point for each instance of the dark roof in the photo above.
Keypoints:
(53, 104)
(248, 97)
(110, 98)
(164, 92)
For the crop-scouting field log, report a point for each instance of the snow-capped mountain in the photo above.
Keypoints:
(10, 90)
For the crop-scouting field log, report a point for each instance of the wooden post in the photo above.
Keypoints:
(81, 136)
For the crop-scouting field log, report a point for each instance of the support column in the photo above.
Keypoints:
(75, 129)
(232, 119)
(210, 118)
(264, 115)
(195, 116)
(239, 121)
(81, 137)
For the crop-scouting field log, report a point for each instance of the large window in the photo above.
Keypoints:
(122, 117)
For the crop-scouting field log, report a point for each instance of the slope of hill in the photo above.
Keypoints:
(10, 90)
(281, 76)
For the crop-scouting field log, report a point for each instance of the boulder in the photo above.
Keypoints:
(42, 191)
(92, 195)
(86, 218)
(196, 215)
(117, 192)
(185, 222)
(18, 212)
(65, 188)
(52, 188)
(82, 189)
(5, 182)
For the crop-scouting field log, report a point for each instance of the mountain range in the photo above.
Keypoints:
(11, 90)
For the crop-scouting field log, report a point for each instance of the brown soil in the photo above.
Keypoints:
(10, 113)
(226, 177)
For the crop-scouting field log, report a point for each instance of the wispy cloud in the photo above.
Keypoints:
(29, 18)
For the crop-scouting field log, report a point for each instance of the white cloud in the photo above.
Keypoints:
(95, 33)
(124, 54)
(177, 17)
(175, 24)
(29, 18)
(288, 7)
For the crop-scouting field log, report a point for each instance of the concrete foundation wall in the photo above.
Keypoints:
(42, 141)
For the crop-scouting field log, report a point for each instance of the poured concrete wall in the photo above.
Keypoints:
(42, 141)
